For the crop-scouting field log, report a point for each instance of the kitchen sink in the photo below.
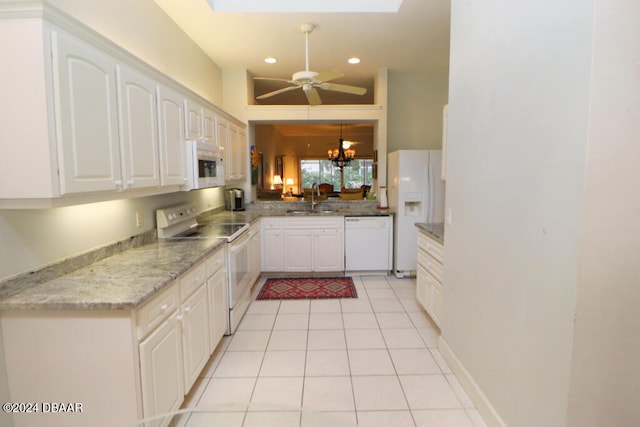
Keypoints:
(310, 212)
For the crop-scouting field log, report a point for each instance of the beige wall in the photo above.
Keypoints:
(415, 103)
(605, 376)
(541, 280)
(143, 28)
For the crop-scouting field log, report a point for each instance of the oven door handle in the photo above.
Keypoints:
(240, 244)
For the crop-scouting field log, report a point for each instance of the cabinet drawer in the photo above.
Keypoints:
(271, 223)
(423, 287)
(436, 303)
(215, 262)
(315, 222)
(192, 279)
(433, 248)
(431, 265)
(154, 312)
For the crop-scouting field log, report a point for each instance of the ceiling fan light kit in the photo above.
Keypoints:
(309, 81)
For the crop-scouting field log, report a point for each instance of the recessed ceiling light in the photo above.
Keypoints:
(353, 60)
(270, 60)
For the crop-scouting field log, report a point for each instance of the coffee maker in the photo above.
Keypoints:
(234, 199)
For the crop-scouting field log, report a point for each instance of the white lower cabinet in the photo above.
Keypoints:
(298, 247)
(161, 371)
(145, 359)
(174, 353)
(429, 276)
(217, 296)
(302, 244)
(271, 240)
(195, 335)
(255, 250)
(328, 250)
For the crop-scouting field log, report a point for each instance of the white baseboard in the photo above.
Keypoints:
(483, 405)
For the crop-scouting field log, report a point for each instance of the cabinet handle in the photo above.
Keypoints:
(187, 309)
(179, 317)
(130, 183)
(164, 307)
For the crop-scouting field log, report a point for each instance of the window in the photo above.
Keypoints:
(358, 173)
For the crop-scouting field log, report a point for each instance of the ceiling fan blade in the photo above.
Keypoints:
(329, 75)
(313, 97)
(355, 90)
(276, 92)
(272, 78)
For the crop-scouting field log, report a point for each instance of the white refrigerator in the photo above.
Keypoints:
(415, 194)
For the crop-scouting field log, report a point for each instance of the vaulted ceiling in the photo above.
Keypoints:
(415, 39)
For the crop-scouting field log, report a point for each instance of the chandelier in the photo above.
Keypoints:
(342, 155)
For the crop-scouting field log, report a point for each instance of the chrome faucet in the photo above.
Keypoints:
(314, 189)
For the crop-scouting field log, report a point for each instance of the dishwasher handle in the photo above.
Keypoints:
(366, 222)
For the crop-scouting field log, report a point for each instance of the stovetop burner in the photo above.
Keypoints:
(224, 231)
(181, 222)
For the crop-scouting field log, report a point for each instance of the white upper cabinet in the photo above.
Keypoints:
(236, 151)
(222, 133)
(193, 120)
(200, 121)
(209, 124)
(83, 120)
(84, 83)
(172, 147)
(138, 129)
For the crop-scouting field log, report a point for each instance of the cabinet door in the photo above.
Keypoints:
(297, 250)
(195, 335)
(423, 288)
(242, 154)
(209, 125)
(218, 308)
(193, 120)
(161, 369)
(436, 303)
(328, 250)
(172, 147)
(254, 252)
(234, 154)
(84, 82)
(138, 129)
(223, 142)
(272, 250)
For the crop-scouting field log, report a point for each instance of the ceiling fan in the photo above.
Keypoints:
(309, 81)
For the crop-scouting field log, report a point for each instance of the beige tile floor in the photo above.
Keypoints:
(372, 361)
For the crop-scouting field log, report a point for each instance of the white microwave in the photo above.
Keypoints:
(204, 165)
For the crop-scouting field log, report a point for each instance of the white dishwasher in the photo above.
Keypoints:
(368, 243)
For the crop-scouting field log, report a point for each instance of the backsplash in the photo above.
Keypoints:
(64, 266)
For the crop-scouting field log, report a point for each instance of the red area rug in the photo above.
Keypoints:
(307, 288)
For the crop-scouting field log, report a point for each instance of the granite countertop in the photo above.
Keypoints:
(255, 211)
(122, 281)
(123, 276)
(435, 230)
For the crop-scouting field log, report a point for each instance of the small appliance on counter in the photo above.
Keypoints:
(234, 199)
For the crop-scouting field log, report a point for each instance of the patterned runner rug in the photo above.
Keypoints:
(307, 288)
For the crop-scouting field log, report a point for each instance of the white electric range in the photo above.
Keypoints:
(181, 222)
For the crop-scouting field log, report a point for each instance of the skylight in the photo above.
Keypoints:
(297, 6)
